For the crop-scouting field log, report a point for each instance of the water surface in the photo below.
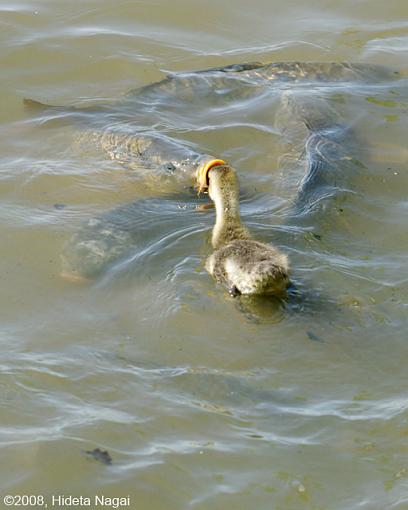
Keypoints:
(203, 401)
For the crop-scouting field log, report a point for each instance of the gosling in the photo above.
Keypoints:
(243, 265)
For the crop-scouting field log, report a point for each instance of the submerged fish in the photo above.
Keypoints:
(135, 231)
(237, 81)
(322, 154)
(324, 147)
(113, 127)
(159, 160)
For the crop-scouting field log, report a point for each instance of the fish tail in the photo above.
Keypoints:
(32, 104)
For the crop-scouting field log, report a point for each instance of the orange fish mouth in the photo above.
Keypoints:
(202, 173)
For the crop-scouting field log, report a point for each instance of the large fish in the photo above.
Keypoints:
(237, 81)
(323, 151)
(323, 145)
(113, 127)
(159, 160)
(134, 232)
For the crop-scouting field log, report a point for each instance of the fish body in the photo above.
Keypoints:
(241, 80)
(114, 127)
(324, 148)
(131, 231)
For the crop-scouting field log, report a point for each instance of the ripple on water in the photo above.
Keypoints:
(202, 400)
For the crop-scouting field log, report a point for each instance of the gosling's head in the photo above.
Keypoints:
(204, 165)
(222, 181)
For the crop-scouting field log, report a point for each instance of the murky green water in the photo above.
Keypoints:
(204, 401)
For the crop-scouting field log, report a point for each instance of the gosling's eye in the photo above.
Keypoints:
(170, 168)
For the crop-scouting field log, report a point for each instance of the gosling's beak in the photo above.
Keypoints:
(202, 173)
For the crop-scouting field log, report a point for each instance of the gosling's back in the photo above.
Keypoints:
(250, 267)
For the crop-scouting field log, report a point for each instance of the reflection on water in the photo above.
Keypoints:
(203, 400)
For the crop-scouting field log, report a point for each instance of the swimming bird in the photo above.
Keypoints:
(243, 265)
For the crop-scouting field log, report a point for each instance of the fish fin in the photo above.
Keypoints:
(32, 104)
(230, 68)
(239, 68)
(234, 68)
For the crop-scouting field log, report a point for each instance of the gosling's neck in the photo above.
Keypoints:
(228, 226)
